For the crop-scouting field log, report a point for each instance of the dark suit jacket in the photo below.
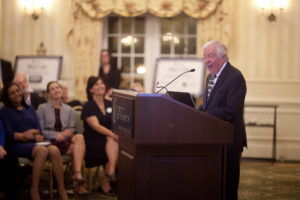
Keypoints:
(36, 99)
(7, 72)
(226, 102)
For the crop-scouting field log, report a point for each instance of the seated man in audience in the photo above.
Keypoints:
(31, 98)
(71, 102)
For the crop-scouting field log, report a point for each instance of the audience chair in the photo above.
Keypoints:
(79, 107)
(78, 121)
(92, 175)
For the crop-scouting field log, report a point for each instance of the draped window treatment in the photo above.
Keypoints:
(161, 8)
(85, 33)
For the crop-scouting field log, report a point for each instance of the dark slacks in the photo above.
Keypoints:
(232, 175)
(8, 177)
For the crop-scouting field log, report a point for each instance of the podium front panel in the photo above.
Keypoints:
(123, 119)
(160, 157)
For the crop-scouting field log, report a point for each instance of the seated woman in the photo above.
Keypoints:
(23, 131)
(58, 125)
(101, 143)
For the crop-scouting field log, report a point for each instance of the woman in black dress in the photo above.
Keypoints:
(101, 143)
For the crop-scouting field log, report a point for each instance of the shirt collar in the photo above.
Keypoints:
(220, 71)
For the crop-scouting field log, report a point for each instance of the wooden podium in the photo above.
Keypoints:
(168, 151)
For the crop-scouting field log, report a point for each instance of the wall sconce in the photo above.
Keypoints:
(35, 7)
(41, 50)
(271, 8)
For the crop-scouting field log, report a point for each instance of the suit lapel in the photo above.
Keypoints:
(219, 82)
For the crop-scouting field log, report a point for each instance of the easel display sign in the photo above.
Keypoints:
(168, 69)
(39, 70)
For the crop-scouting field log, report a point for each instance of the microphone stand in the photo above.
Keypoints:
(164, 87)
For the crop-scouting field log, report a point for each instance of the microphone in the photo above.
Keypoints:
(164, 87)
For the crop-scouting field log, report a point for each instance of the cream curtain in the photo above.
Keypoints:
(85, 40)
(162, 8)
(213, 16)
(216, 26)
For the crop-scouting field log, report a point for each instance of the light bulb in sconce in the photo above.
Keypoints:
(271, 8)
(35, 7)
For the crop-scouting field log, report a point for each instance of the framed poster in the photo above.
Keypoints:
(191, 81)
(39, 70)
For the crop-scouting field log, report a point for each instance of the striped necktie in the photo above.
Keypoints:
(210, 85)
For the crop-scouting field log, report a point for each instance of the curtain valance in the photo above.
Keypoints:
(162, 8)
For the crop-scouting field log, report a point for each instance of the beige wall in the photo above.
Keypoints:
(21, 35)
(267, 53)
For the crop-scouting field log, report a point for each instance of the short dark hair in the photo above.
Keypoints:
(6, 99)
(90, 83)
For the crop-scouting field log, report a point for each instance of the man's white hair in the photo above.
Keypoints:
(20, 75)
(221, 49)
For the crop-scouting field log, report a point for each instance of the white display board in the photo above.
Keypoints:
(169, 68)
(39, 70)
